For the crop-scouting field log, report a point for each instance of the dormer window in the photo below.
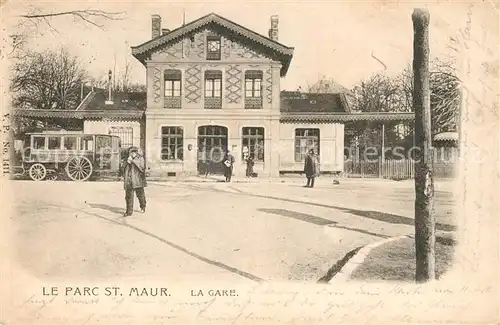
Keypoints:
(213, 47)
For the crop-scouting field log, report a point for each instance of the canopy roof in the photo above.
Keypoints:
(446, 136)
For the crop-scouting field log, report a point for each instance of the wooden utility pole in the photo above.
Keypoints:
(424, 185)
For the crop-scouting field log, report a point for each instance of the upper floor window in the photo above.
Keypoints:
(213, 89)
(253, 89)
(173, 88)
(172, 83)
(213, 47)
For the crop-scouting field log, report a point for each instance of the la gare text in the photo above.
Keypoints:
(131, 292)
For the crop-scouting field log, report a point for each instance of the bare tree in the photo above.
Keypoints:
(91, 17)
(379, 93)
(137, 88)
(36, 20)
(124, 78)
(101, 82)
(445, 94)
(47, 80)
(445, 97)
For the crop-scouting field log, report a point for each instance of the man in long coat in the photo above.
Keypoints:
(311, 168)
(228, 162)
(134, 180)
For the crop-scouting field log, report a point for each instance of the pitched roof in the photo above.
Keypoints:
(343, 117)
(284, 53)
(125, 101)
(80, 115)
(446, 136)
(298, 102)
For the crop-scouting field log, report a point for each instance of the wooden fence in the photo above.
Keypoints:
(394, 169)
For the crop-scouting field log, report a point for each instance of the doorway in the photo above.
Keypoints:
(212, 143)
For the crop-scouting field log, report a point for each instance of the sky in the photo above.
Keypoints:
(331, 39)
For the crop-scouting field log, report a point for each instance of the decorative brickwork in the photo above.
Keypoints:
(193, 84)
(157, 85)
(269, 85)
(172, 102)
(253, 102)
(213, 102)
(175, 50)
(200, 44)
(233, 84)
(227, 48)
(187, 47)
(242, 51)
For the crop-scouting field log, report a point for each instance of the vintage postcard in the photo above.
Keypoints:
(249, 162)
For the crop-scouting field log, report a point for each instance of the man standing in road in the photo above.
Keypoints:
(311, 168)
(134, 180)
(228, 162)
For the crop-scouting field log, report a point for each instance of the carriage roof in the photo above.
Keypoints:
(71, 134)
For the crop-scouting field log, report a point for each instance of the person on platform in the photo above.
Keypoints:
(250, 163)
(204, 162)
(134, 180)
(228, 162)
(311, 168)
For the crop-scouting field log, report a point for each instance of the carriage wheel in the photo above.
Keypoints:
(79, 168)
(37, 172)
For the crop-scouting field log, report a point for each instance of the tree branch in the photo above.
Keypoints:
(88, 16)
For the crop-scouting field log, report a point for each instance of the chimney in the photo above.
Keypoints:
(273, 31)
(109, 101)
(155, 26)
(165, 31)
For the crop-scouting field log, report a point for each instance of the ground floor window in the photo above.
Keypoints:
(305, 139)
(253, 143)
(172, 143)
(125, 133)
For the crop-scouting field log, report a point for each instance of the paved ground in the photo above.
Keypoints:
(194, 231)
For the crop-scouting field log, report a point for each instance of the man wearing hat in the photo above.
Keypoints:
(134, 180)
(311, 168)
(228, 162)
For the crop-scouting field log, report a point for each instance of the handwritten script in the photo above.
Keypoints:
(270, 305)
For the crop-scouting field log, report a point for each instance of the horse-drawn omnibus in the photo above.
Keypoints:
(78, 156)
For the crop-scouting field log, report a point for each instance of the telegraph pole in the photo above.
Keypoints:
(424, 186)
